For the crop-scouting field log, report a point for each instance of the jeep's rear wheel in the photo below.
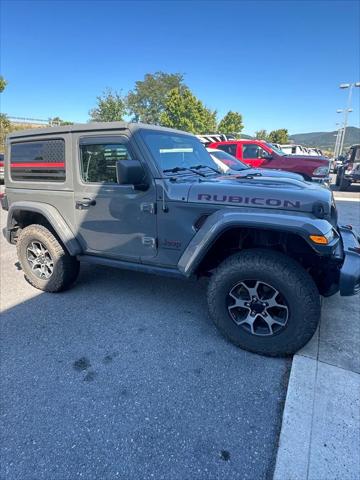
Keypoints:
(265, 302)
(45, 263)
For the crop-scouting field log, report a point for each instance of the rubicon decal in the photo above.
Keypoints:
(258, 201)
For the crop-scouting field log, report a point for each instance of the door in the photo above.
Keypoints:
(253, 154)
(112, 220)
(229, 148)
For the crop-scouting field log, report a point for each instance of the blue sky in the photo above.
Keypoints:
(279, 63)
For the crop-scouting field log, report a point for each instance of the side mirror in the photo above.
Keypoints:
(130, 172)
(267, 156)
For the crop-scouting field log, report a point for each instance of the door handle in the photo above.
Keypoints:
(85, 203)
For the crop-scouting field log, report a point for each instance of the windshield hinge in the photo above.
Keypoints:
(148, 208)
(149, 242)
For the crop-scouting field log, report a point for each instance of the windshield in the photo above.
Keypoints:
(229, 160)
(276, 150)
(176, 151)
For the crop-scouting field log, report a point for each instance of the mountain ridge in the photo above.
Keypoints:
(326, 140)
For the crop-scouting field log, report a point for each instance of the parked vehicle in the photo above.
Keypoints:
(338, 162)
(258, 153)
(315, 151)
(208, 138)
(349, 170)
(294, 149)
(1, 167)
(151, 199)
(230, 165)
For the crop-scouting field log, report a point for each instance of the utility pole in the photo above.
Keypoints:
(337, 141)
(347, 110)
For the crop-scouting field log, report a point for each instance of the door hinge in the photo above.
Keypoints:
(149, 242)
(148, 208)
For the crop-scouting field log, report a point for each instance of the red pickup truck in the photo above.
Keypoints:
(258, 153)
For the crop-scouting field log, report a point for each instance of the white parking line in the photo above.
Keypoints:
(347, 199)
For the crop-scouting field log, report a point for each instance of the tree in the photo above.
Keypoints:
(146, 101)
(3, 83)
(231, 123)
(261, 135)
(110, 107)
(279, 136)
(5, 128)
(186, 112)
(59, 121)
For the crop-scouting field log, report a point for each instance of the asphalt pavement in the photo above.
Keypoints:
(124, 376)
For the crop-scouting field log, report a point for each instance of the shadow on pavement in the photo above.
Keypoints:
(124, 376)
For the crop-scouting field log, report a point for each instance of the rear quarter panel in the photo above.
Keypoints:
(58, 194)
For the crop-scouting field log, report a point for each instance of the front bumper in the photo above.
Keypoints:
(321, 179)
(349, 282)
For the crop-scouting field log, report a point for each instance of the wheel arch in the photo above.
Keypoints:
(249, 230)
(23, 214)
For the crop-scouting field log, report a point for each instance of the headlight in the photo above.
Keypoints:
(321, 171)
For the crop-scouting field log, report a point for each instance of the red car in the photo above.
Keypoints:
(258, 153)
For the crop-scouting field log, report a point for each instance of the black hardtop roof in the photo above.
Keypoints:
(90, 127)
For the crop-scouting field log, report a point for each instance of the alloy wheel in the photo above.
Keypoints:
(40, 260)
(257, 307)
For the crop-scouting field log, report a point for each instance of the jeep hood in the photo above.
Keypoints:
(284, 193)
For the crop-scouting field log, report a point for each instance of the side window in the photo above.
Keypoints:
(38, 161)
(228, 148)
(98, 161)
(262, 153)
(250, 150)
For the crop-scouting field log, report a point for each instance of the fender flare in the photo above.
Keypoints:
(223, 220)
(55, 219)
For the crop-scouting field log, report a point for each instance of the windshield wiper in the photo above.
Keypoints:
(182, 169)
(249, 175)
(197, 167)
(174, 170)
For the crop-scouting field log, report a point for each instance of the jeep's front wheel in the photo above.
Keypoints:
(44, 261)
(265, 302)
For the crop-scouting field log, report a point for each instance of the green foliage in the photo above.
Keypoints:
(261, 135)
(231, 123)
(186, 112)
(279, 136)
(110, 107)
(5, 128)
(3, 83)
(146, 101)
(59, 121)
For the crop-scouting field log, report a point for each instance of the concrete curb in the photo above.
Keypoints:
(320, 433)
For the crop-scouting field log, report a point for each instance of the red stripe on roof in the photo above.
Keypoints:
(37, 165)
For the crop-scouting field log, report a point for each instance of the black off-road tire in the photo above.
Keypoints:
(295, 285)
(66, 268)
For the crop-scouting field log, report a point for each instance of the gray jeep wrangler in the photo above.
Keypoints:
(152, 199)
